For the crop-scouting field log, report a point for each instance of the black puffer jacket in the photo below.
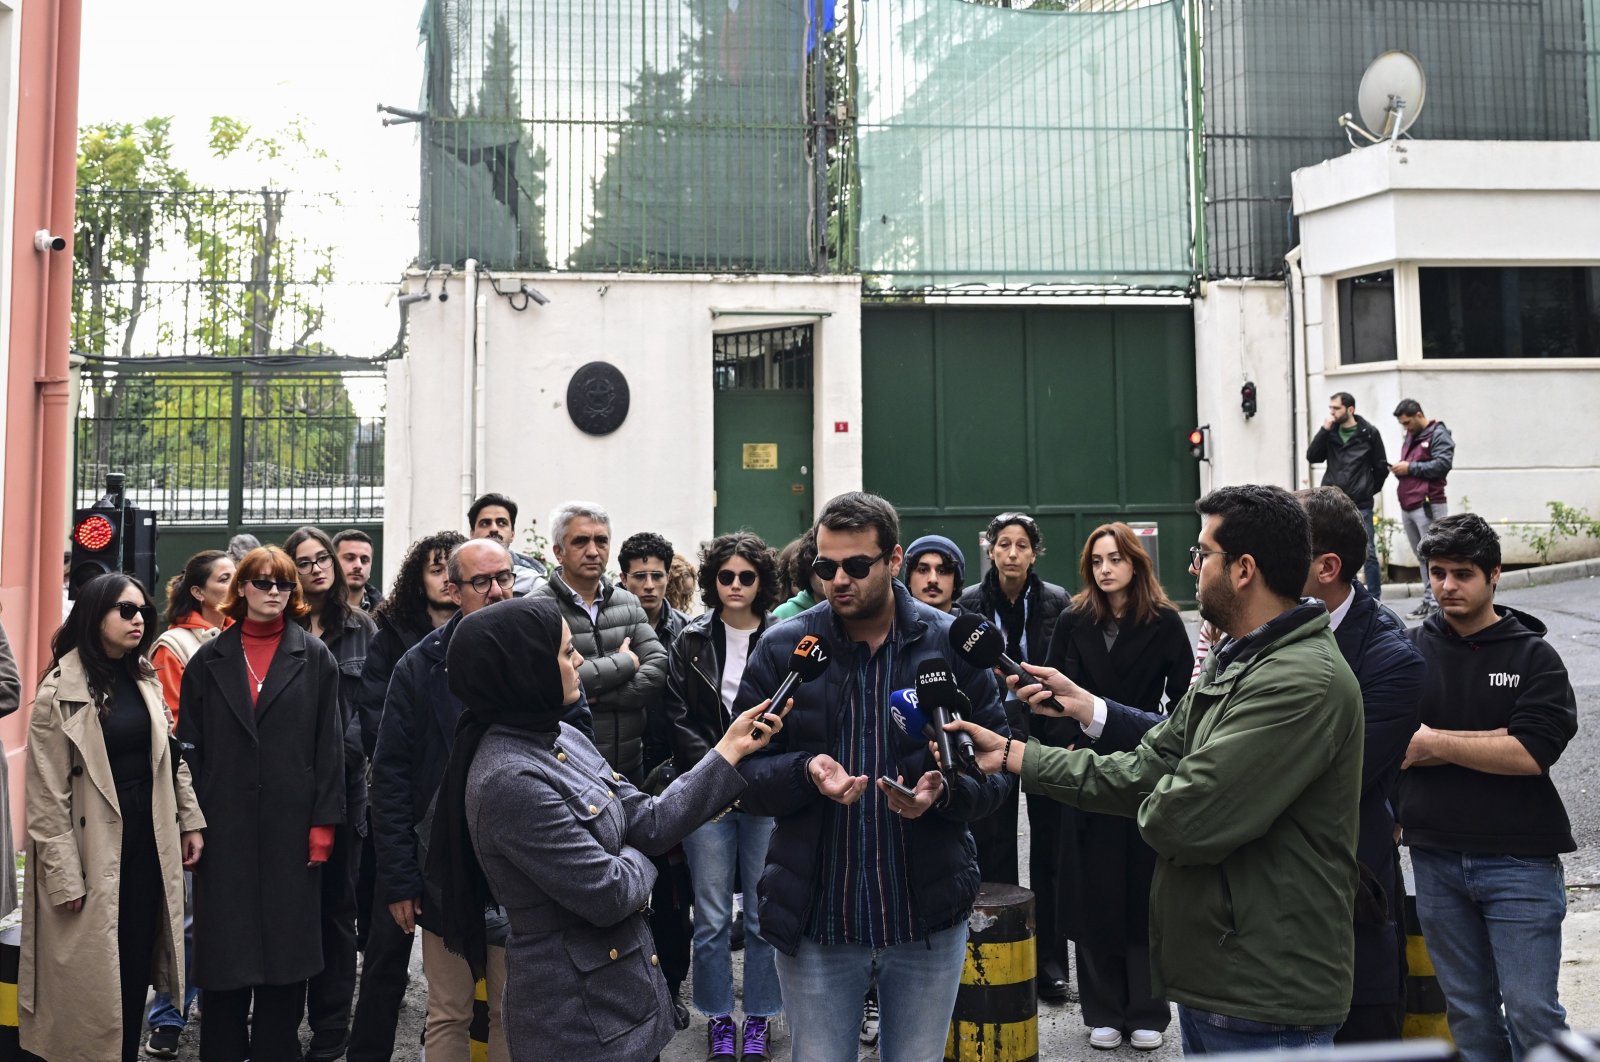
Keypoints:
(1045, 604)
(694, 689)
(941, 859)
(619, 693)
(349, 647)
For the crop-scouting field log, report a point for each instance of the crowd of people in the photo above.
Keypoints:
(575, 789)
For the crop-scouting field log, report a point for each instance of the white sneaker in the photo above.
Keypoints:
(1105, 1039)
(869, 1023)
(1146, 1039)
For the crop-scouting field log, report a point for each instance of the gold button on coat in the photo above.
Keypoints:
(654, 961)
(613, 954)
(595, 811)
(562, 756)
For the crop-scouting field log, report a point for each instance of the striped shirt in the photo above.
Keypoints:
(862, 891)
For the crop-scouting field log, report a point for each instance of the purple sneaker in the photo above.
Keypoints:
(755, 1039)
(720, 1034)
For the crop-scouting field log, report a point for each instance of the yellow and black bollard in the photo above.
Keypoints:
(997, 1011)
(478, 1029)
(1425, 1014)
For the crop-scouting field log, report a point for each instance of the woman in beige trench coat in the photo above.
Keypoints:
(98, 884)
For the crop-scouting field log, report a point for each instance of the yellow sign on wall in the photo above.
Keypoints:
(760, 456)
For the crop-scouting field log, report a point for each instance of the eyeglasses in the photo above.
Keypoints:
(127, 610)
(637, 576)
(268, 585)
(857, 567)
(505, 580)
(321, 560)
(1197, 556)
(746, 577)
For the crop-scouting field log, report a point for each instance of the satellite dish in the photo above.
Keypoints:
(1390, 98)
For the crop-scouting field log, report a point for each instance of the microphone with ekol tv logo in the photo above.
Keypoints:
(975, 640)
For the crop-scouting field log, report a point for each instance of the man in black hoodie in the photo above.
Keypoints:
(1484, 821)
(1357, 464)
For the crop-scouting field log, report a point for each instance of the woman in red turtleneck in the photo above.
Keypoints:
(259, 718)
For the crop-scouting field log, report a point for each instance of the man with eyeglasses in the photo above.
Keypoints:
(1248, 791)
(624, 665)
(414, 739)
(859, 877)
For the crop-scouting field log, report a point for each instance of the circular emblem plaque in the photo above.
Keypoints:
(597, 398)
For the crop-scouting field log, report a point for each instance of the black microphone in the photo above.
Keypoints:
(977, 642)
(941, 702)
(810, 658)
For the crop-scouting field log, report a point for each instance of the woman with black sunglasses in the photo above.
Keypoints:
(260, 718)
(112, 821)
(739, 586)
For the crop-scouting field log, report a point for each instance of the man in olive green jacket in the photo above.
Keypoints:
(1248, 792)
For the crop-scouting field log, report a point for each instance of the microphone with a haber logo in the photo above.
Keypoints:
(920, 714)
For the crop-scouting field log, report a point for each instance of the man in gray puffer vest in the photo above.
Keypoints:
(624, 664)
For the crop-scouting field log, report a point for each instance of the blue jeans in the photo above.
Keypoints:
(1493, 928)
(1372, 576)
(1205, 1033)
(824, 984)
(714, 850)
(163, 1015)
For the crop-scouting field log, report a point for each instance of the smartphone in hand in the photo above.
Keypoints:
(899, 787)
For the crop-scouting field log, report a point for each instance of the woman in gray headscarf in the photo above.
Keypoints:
(530, 816)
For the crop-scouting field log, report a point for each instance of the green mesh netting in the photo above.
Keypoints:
(1016, 148)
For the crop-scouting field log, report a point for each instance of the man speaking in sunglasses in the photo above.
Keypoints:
(859, 875)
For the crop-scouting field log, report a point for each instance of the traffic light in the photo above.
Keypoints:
(1197, 444)
(112, 536)
(1247, 399)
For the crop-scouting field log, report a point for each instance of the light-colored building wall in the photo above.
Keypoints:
(449, 441)
(1241, 334)
(1525, 428)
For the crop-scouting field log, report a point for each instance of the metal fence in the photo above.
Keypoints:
(1016, 148)
(1278, 73)
(235, 449)
(618, 135)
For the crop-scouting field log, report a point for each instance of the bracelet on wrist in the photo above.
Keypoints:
(1005, 759)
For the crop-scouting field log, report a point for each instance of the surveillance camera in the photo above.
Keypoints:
(536, 295)
(45, 240)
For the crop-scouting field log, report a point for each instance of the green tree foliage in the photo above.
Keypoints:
(164, 268)
(708, 169)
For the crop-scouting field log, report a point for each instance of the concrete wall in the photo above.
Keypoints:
(1241, 333)
(653, 473)
(1525, 428)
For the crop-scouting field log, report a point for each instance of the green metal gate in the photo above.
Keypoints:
(1078, 416)
(222, 446)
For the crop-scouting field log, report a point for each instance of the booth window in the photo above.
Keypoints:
(1510, 311)
(1366, 318)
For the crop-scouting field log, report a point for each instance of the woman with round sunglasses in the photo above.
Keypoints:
(1024, 608)
(112, 820)
(260, 722)
(1122, 640)
(739, 586)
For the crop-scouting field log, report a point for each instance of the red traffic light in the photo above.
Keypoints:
(94, 533)
(1197, 444)
(1197, 437)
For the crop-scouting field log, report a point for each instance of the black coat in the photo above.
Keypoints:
(388, 645)
(694, 689)
(1106, 867)
(1045, 604)
(264, 776)
(349, 647)
(941, 859)
(1357, 467)
(1374, 643)
(419, 726)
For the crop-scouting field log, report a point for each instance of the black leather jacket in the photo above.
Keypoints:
(694, 689)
